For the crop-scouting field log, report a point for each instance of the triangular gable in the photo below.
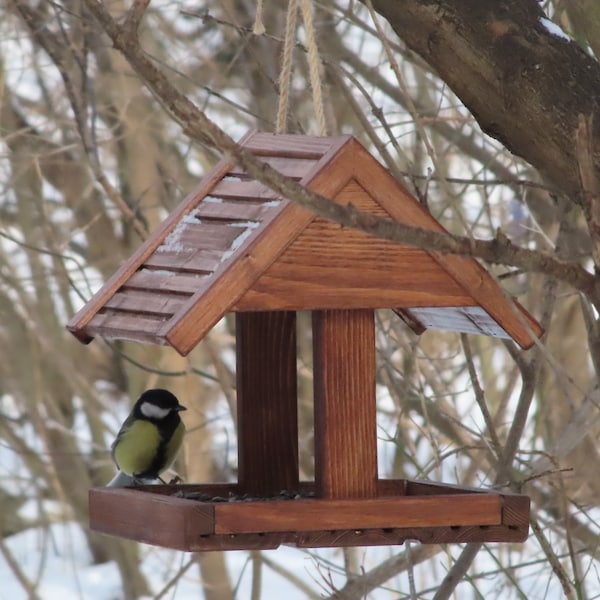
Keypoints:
(328, 266)
(210, 247)
(232, 237)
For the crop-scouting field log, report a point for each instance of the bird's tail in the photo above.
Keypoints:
(121, 480)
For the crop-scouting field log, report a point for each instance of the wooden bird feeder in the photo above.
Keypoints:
(235, 245)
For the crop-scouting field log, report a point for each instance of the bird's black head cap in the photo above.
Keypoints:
(161, 398)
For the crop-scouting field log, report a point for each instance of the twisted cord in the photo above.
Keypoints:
(314, 66)
(259, 26)
(285, 75)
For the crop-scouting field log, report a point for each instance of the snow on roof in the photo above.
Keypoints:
(234, 244)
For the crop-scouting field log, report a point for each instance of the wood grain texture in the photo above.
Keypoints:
(468, 273)
(396, 536)
(290, 166)
(419, 508)
(344, 397)
(310, 274)
(157, 281)
(235, 211)
(516, 509)
(234, 276)
(306, 146)
(149, 518)
(267, 402)
(143, 302)
(243, 190)
(313, 515)
(79, 321)
(328, 266)
(126, 326)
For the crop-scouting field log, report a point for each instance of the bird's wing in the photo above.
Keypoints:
(135, 450)
(174, 445)
(127, 423)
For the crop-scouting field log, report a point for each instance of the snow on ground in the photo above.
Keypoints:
(58, 557)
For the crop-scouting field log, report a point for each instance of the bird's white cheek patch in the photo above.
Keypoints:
(153, 412)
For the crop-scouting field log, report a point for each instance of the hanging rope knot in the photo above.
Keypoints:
(259, 26)
(314, 64)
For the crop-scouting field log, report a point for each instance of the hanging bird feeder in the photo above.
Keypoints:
(233, 245)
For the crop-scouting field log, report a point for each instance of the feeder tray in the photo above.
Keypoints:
(402, 510)
(233, 245)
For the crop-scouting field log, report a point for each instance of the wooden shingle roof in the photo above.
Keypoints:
(235, 245)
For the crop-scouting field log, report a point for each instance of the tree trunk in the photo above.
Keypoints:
(524, 85)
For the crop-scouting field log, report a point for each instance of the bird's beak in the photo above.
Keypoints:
(180, 408)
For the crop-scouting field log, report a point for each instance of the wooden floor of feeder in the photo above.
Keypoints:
(402, 510)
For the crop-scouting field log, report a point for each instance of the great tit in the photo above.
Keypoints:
(149, 439)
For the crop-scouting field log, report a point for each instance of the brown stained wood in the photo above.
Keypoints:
(145, 303)
(320, 270)
(230, 281)
(188, 524)
(307, 515)
(425, 535)
(80, 320)
(164, 281)
(248, 541)
(242, 190)
(306, 146)
(516, 509)
(203, 235)
(266, 402)
(293, 167)
(193, 260)
(281, 295)
(356, 195)
(392, 195)
(391, 487)
(332, 267)
(281, 226)
(231, 210)
(344, 171)
(180, 490)
(344, 398)
(126, 322)
(149, 518)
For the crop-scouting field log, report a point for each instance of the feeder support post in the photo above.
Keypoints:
(267, 414)
(345, 415)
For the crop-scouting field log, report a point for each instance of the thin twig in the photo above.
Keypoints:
(457, 572)
(590, 185)
(200, 128)
(552, 558)
(480, 398)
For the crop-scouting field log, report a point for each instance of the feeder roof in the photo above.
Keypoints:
(235, 245)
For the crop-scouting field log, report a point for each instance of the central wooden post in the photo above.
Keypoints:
(345, 417)
(267, 402)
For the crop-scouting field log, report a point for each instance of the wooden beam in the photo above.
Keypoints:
(368, 513)
(149, 518)
(267, 402)
(183, 516)
(344, 395)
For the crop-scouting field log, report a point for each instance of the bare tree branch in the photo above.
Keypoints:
(590, 184)
(195, 124)
(524, 84)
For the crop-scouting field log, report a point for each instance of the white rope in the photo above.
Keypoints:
(314, 66)
(259, 26)
(285, 75)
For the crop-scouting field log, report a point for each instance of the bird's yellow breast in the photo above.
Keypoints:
(136, 448)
